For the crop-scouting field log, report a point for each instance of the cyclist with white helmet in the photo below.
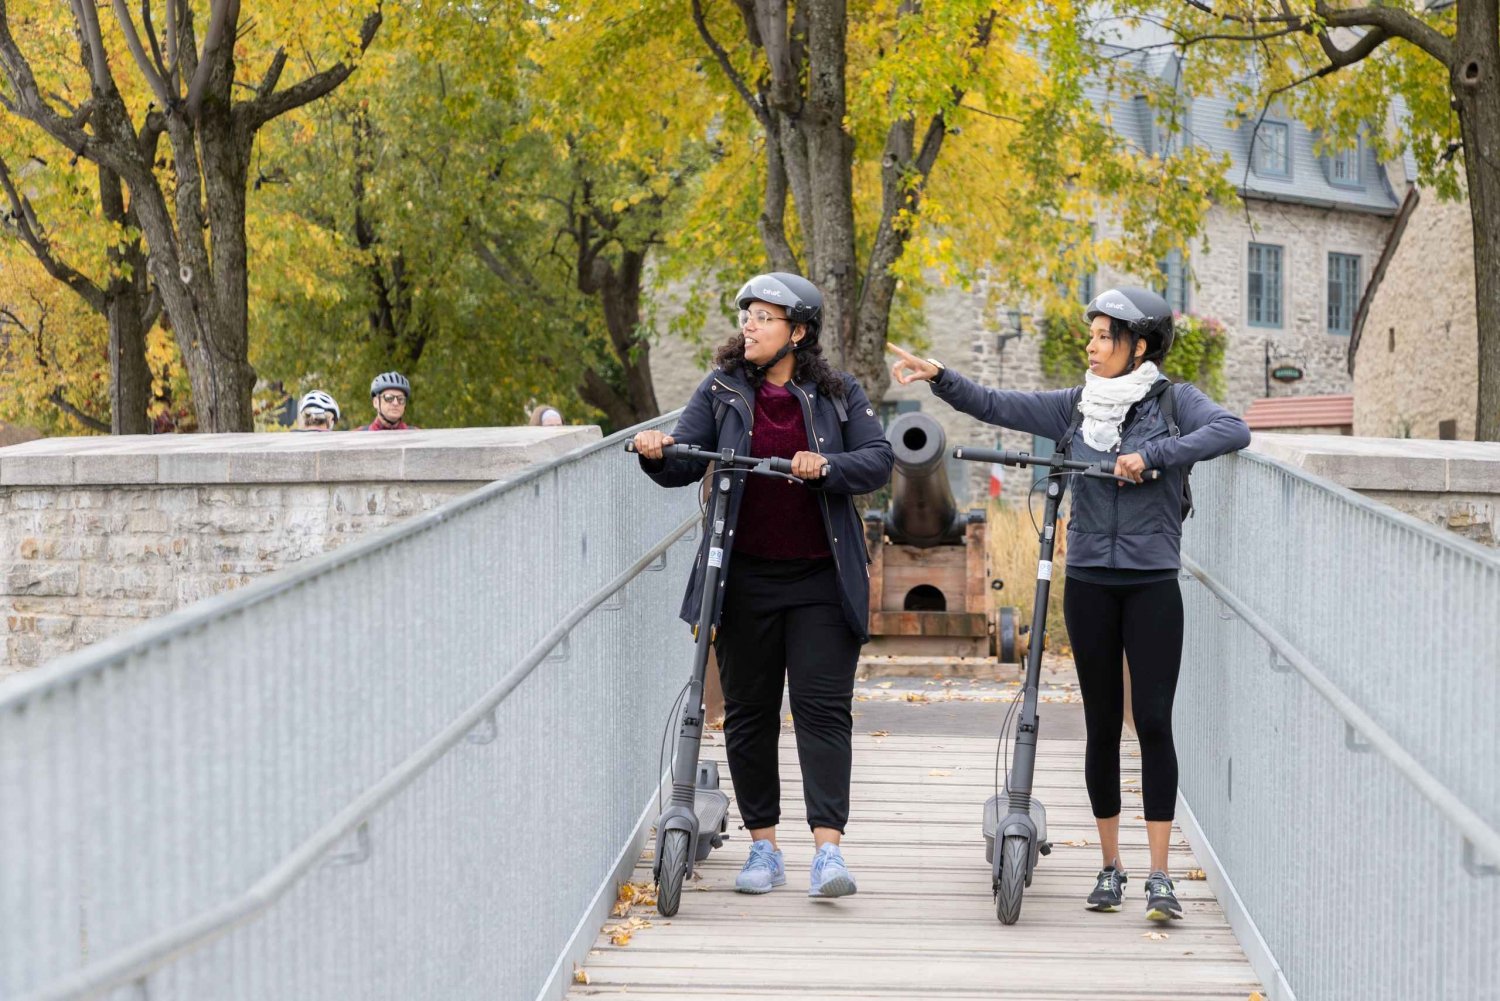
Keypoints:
(1122, 598)
(317, 411)
(390, 393)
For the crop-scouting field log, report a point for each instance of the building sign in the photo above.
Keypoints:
(1286, 373)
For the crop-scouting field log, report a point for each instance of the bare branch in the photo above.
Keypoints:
(29, 230)
(273, 74)
(87, 17)
(161, 66)
(138, 52)
(56, 399)
(28, 102)
(223, 14)
(728, 67)
(273, 104)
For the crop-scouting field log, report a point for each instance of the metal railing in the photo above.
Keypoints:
(408, 768)
(1336, 728)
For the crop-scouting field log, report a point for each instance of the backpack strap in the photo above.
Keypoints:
(1169, 409)
(1066, 441)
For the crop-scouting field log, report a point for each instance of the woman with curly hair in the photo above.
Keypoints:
(793, 609)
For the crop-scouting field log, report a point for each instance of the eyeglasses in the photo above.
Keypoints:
(392, 397)
(760, 316)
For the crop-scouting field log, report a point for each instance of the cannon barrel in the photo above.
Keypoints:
(923, 511)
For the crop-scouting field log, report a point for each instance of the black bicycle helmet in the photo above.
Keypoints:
(798, 296)
(390, 380)
(1143, 312)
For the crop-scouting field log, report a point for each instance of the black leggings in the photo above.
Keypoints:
(1144, 623)
(782, 624)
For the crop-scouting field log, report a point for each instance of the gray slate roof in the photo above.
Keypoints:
(1211, 121)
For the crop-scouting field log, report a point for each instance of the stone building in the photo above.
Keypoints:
(1284, 270)
(1414, 356)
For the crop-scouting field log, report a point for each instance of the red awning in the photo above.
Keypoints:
(1300, 412)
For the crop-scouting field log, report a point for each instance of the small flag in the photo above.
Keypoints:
(997, 479)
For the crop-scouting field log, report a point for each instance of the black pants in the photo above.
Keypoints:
(1144, 623)
(783, 624)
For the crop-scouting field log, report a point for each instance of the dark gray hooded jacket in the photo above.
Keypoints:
(1129, 527)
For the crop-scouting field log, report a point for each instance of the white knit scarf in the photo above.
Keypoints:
(1106, 402)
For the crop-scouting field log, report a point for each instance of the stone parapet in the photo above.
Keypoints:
(1454, 484)
(100, 534)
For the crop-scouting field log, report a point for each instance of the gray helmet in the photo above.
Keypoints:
(1140, 309)
(390, 380)
(798, 296)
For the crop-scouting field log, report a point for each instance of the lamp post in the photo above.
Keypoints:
(1012, 332)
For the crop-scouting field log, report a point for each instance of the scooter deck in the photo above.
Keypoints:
(711, 808)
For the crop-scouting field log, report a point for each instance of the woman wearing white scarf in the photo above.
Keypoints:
(1122, 599)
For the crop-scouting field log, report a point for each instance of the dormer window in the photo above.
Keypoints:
(1343, 167)
(1272, 156)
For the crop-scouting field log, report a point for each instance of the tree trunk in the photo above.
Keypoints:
(1475, 80)
(126, 307)
(630, 397)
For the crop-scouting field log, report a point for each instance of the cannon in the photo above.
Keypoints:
(929, 571)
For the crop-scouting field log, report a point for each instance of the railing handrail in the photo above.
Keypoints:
(80, 664)
(1478, 834)
(203, 928)
(1432, 533)
(1476, 831)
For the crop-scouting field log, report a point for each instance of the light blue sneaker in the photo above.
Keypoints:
(763, 871)
(830, 877)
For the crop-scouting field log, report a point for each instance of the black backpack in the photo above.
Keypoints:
(1163, 389)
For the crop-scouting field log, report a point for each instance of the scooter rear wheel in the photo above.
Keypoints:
(1015, 854)
(674, 862)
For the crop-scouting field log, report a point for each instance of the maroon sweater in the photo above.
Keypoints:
(779, 520)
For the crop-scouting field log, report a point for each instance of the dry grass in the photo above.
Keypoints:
(1013, 550)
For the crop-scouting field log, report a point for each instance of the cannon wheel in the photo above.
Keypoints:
(1006, 635)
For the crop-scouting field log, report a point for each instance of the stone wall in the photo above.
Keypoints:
(1307, 235)
(1418, 355)
(101, 534)
(1451, 484)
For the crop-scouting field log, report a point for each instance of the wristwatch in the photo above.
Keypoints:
(940, 366)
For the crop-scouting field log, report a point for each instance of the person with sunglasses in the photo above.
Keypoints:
(793, 609)
(389, 394)
(317, 411)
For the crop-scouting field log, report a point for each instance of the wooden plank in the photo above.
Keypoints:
(922, 927)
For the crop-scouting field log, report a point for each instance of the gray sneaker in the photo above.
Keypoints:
(1109, 889)
(763, 871)
(1161, 899)
(830, 877)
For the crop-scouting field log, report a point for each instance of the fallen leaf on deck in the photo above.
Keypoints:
(1156, 936)
(1196, 874)
(1256, 996)
(885, 684)
(916, 697)
(631, 894)
(939, 772)
(1077, 843)
(880, 733)
(580, 975)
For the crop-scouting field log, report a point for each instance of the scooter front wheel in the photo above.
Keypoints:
(1015, 853)
(673, 870)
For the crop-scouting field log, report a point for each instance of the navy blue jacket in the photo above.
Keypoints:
(1130, 527)
(859, 457)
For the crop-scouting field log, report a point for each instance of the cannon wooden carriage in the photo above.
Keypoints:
(929, 575)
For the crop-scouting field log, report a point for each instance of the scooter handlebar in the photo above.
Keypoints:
(728, 457)
(1103, 468)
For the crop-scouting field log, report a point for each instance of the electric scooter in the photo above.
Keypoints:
(1022, 828)
(695, 822)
